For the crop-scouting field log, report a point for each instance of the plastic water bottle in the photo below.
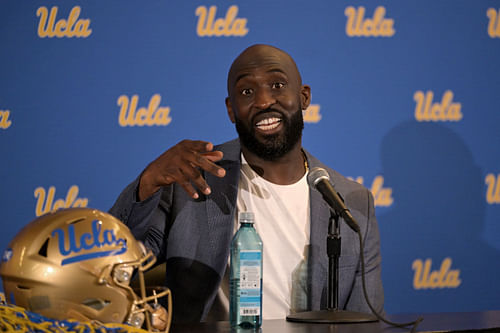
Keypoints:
(245, 304)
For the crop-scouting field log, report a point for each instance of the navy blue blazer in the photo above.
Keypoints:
(193, 237)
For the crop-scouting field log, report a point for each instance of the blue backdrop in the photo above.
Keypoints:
(406, 100)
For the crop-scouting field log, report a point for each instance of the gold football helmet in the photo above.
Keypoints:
(78, 263)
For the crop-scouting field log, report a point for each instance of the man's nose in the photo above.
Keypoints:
(264, 99)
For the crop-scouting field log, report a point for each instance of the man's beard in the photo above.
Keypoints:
(273, 146)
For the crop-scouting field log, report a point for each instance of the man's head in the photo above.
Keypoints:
(265, 101)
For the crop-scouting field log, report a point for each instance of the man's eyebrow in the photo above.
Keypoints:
(239, 77)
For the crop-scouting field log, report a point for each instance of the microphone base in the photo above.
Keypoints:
(331, 317)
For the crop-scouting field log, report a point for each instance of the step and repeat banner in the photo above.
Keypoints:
(405, 100)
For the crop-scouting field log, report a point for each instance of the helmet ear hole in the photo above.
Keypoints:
(21, 287)
(95, 303)
(43, 249)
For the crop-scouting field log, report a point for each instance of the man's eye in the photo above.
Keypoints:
(246, 92)
(278, 85)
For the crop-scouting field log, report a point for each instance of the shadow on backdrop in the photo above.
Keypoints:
(434, 259)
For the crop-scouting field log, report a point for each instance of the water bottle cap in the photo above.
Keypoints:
(246, 217)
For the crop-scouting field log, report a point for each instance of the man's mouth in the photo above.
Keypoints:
(268, 124)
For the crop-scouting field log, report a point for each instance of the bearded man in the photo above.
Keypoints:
(184, 205)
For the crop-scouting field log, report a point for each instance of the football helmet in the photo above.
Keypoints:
(77, 263)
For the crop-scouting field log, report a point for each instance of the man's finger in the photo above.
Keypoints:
(197, 179)
(185, 183)
(205, 162)
(197, 145)
(213, 156)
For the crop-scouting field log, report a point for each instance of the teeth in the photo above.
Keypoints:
(268, 127)
(268, 123)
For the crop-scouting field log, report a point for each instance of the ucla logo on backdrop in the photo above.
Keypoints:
(311, 114)
(428, 110)
(493, 188)
(45, 201)
(73, 26)
(230, 25)
(5, 122)
(154, 114)
(95, 244)
(426, 278)
(382, 196)
(494, 23)
(359, 26)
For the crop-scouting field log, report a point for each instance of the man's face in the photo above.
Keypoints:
(265, 102)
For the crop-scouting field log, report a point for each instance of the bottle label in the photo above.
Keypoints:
(250, 277)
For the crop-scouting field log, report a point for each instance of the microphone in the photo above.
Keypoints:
(319, 179)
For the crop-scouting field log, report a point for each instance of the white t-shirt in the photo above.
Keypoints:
(282, 220)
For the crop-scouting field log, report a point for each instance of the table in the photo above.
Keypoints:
(487, 321)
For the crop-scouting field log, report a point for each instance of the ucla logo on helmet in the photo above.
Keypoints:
(7, 255)
(88, 245)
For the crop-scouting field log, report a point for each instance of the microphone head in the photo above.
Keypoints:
(315, 175)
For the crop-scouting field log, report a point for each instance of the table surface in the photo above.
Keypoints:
(432, 322)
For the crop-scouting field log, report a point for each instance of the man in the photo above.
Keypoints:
(184, 204)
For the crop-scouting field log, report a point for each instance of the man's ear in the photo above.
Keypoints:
(305, 96)
(229, 108)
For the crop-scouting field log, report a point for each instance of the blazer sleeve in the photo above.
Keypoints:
(147, 219)
(372, 259)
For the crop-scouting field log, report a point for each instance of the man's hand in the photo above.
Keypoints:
(181, 164)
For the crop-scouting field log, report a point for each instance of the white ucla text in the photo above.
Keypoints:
(493, 188)
(311, 114)
(5, 122)
(105, 241)
(230, 25)
(154, 114)
(71, 200)
(445, 277)
(427, 110)
(359, 26)
(382, 196)
(73, 26)
(494, 23)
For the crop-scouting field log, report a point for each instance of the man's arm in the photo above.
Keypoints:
(144, 206)
(146, 219)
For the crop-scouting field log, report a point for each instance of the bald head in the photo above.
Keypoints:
(261, 55)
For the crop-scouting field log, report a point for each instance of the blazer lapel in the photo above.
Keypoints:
(318, 258)
(320, 215)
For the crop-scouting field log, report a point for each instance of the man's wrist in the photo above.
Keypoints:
(145, 189)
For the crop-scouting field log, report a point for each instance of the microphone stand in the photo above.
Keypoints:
(333, 314)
